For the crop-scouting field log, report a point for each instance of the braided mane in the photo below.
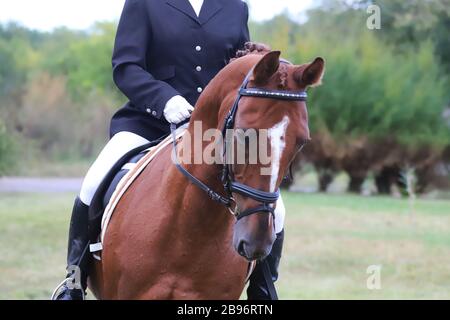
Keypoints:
(262, 49)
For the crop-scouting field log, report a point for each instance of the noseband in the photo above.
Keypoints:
(231, 186)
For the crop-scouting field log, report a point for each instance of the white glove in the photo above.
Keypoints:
(177, 110)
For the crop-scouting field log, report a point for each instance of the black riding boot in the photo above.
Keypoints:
(258, 288)
(77, 254)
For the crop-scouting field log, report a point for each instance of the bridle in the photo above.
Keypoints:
(231, 186)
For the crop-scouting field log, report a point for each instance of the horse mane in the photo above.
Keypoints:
(283, 76)
(252, 48)
(262, 49)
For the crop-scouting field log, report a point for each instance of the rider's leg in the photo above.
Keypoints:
(78, 252)
(116, 148)
(258, 288)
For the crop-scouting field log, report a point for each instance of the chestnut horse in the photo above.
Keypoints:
(167, 239)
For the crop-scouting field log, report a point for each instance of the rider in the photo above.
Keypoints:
(165, 53)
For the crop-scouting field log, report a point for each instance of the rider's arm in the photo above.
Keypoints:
(129, 61)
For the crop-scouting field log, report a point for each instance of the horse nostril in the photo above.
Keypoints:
(241, 249)
(259, 255)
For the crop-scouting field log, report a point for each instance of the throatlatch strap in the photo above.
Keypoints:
(211, 193)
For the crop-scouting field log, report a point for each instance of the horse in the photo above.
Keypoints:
(167, 238)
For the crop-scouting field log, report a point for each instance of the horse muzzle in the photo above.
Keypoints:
(251, 241)
(251, 252)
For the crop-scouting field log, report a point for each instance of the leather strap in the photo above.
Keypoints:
(211, 193)
(273, 94)
(259, 209)
(268, 278)
(229, 185)
(255, 194)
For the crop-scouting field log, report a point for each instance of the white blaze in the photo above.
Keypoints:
(277, 142)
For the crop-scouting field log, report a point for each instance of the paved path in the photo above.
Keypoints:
(55, 185)
(46, 185)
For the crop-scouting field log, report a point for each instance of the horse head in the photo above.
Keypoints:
(281, 126)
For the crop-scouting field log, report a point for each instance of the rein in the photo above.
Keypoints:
(231, 186)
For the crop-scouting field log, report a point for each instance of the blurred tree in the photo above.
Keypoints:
(7, 150)
(56, 89)
(380, 105)
(84, 59)
(280, 32)
(17, 57)
(409, 23)
(15, 53)
(376, 100)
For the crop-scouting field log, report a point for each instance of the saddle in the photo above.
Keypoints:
(114, 185)
(109, 184)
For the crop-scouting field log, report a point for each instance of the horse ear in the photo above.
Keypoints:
(312, 74)
(266, 67)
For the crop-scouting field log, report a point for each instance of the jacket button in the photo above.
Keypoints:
(199, 89)
(154, 113)
(149, 110)
(198, 68)
(198, 48)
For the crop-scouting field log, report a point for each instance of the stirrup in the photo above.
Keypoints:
(58, 290)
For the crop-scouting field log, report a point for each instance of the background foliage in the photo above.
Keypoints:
(381, 107)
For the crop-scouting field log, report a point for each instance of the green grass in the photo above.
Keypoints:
(332, 239)
(330, 242)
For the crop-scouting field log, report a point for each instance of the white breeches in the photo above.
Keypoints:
(280, 213)
(116, 148)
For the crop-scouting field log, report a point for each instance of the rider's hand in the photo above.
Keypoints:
(177, 110)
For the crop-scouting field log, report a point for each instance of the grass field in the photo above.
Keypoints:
(330, 242)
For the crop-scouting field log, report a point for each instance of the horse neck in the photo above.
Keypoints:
(203, 119)
(208, 114)
(217, 99)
